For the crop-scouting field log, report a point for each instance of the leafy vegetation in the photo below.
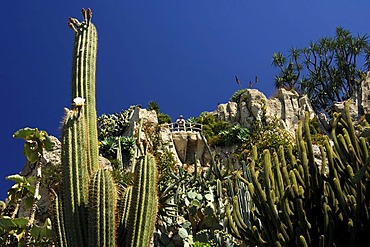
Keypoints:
(35, 142)
(113, 125)
(266, 136)
(23, 231)
(237, 95)
(263, 134)
(191, 212)
(162, 117)
(13, 229)
(113, 145)
(234, 135)
(328, 70)
(211, 127)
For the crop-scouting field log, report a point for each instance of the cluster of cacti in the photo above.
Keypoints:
(87, 211)
(295, 202)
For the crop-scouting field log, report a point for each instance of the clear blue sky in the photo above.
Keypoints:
(182, 54)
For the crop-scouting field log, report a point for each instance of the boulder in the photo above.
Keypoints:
(139, 116)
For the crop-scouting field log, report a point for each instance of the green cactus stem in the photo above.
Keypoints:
(102, 209)
(83, 82)
(87, 213)
(124, 214)
(75, 177)
(144, 204)
(58, 219)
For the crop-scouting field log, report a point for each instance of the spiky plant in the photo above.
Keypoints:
(86, 210)
(299, 201)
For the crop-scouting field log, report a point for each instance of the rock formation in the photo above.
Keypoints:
(286, 106)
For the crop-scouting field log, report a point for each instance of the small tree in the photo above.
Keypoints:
(153, 106)
(162, 118)
(327, 70)
(24, 231)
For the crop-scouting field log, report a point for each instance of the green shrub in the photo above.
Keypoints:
(153, 106)
(233, 135)
(211, 127)
(111, 125)
(236, 96)
(269, 136)
(164, 118)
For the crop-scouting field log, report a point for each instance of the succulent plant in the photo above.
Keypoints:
(298, 201)
(88, 212)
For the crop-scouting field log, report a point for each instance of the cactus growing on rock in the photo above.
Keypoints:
(295, 202)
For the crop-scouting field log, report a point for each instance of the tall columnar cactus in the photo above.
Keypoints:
(140, 205)
(86, 212)
(102, 210)
(83, 82)
(79, 140)
(75, 177)
(298, 203)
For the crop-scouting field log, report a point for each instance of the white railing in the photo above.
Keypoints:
(196, 127)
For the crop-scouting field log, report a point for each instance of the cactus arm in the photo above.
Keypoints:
(284, 170)
(124, 213)
(58, 220)
(144, 203)
(337, 117)
(350, 127)
(231, 222)
(267, 176)
(279, 183)
(102, 222)
(303, 241)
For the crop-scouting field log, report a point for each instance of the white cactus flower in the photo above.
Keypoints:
(79, 101)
